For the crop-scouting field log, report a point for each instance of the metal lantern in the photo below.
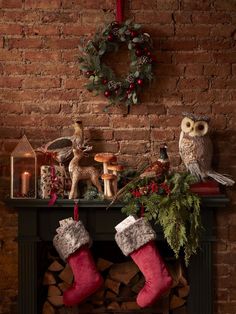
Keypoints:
(23, 170)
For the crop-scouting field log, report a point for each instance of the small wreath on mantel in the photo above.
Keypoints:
(102, 78)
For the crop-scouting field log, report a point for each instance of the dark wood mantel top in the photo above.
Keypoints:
(216, 201)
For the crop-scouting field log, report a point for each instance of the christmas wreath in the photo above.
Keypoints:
(169, 202)
(102, 78)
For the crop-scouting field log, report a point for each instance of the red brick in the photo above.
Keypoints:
(136, 148)
(192, 57)
(162, 135)
(227, 5)
(77, 30)
(7, 132)
(11, 4)
(61, 43)
(133, 134)
(207, 44)
(99, 134)
(169, 69)
(44, 56)
(225, 57)
(105, 146)
(150, 17)
(183, 17)
(161, 30)
(129, 121)
(217, 69)
(194, 70)
(193, 83)
(18, 121)
(25, 95)
(41, 82)
(14, 68)
(211, 17)
(10, 29)
(61, 95)
(73, 83)
(195, 5)
(232, 233)
(42, 108)
(225, 30)
(167, 121)
(60, 17)
(41, 30)
(6, 55)
(42, 4)
(24, 43)
(143, 4)
(101, 120)
(7, 108)
(224, 84)
(10, 82)
(177, 44)
(193, 30)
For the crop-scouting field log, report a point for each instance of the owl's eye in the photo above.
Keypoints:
(200, 127)
(187, 125)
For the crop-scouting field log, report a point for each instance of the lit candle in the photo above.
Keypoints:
(25, 180)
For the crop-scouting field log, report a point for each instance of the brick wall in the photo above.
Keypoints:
(42, 92)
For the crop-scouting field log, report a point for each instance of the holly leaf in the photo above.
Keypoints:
(137, 40)
(134, 98)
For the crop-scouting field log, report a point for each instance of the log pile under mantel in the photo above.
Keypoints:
(122, 282)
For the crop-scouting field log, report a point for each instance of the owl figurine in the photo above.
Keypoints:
(195, 148)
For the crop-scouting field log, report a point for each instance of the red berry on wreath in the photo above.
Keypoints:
(107, 93)
(104, 81)
(110, 37)
(133, 34)
(128, 92)
(89, 73)
(148, 53)
(138, 52)
(131, 86)
(140, 82)
(145, 49)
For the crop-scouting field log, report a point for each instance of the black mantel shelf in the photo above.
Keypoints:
(215, 201)
(37, 223)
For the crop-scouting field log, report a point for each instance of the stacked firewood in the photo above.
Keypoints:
(122, 282)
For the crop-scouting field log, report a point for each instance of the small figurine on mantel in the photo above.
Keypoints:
(62, 146)
(78, 173)
(195, 148)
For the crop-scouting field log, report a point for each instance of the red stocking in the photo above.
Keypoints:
(86, 277)
(137, 240)
(72, 242)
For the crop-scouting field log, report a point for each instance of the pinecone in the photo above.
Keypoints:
(130, 78)
(112, 85)
(143, 60)
(115, 31)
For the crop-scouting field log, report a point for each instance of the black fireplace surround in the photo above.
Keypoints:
(37, 222)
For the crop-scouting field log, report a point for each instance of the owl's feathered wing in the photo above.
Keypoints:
(196, 154)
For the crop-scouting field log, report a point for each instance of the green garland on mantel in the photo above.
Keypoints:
(169, 202)
(101, 77)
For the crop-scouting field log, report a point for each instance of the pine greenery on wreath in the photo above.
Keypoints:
(171, 204)
(101, 77)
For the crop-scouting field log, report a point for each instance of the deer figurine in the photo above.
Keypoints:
(78, 173)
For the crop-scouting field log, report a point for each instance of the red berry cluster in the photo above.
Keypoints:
(152, 187)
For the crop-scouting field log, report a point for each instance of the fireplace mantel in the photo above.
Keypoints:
(37, 222)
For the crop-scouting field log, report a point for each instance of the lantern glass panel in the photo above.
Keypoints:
(23, 170)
